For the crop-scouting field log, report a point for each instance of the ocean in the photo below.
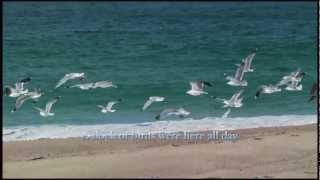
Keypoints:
(155, 49)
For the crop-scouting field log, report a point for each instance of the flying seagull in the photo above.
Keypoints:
(267, 89)
(151, 100)
(18, 89)
(293, 76)
(108, 107)
(46, 112)
(99, 84)
(234, 101)
(238, 80)
(68, 77)
(173, 112)
(35, 95)
(247, 62)
(197, 88)
(313, 91)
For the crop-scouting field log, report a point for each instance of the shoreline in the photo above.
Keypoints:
(293, 147)
(22, 133)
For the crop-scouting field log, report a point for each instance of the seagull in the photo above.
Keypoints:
(226, 114)
(247, 61)
(18, 89)
(46, 112)
(197, 88)
(294, 86)
(234, 101)
(151, 100)
(69, 77)
(267, 89)
(293, 76)
(173, 112)
(238, 80)
(99, 84)
(108, 108)
(35, 95)
(313, 92)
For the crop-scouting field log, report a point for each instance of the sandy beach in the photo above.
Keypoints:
(261, 152)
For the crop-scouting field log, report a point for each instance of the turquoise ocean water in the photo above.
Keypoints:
(156, 48)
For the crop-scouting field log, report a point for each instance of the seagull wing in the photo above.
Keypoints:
(147, 104)
(20, 100)
(63, 80)
(196, 86)
(49, 105)
(103, 84)
(240, 72)
(19, 86)
(39, 109)
(236, 96)
(249, 59)
(166, 112)
(84, 86)
(100, 106)
(110, 104)
(225, 115)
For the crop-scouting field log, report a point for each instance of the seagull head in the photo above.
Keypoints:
(7, 91)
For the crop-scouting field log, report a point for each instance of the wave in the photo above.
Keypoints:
(20, 133)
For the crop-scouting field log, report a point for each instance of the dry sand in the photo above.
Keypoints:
(261, 152)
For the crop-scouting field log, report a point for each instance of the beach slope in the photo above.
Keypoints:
(260, 152)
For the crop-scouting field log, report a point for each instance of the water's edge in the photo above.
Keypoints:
(20, 133)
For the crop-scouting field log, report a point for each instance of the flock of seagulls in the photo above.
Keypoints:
(197, 88)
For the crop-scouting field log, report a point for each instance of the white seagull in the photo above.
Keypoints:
(35, 95)
(247, 62)
(173, 112)
(267, 89)
(197, 88)
(69, 77)
(108, 108)
(18, 89)
(47, 111)
(234, 101)
(151, 100)
(293, 76)
(238, 80)
(99, 84)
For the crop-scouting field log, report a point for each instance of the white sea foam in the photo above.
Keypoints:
(209, 123)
